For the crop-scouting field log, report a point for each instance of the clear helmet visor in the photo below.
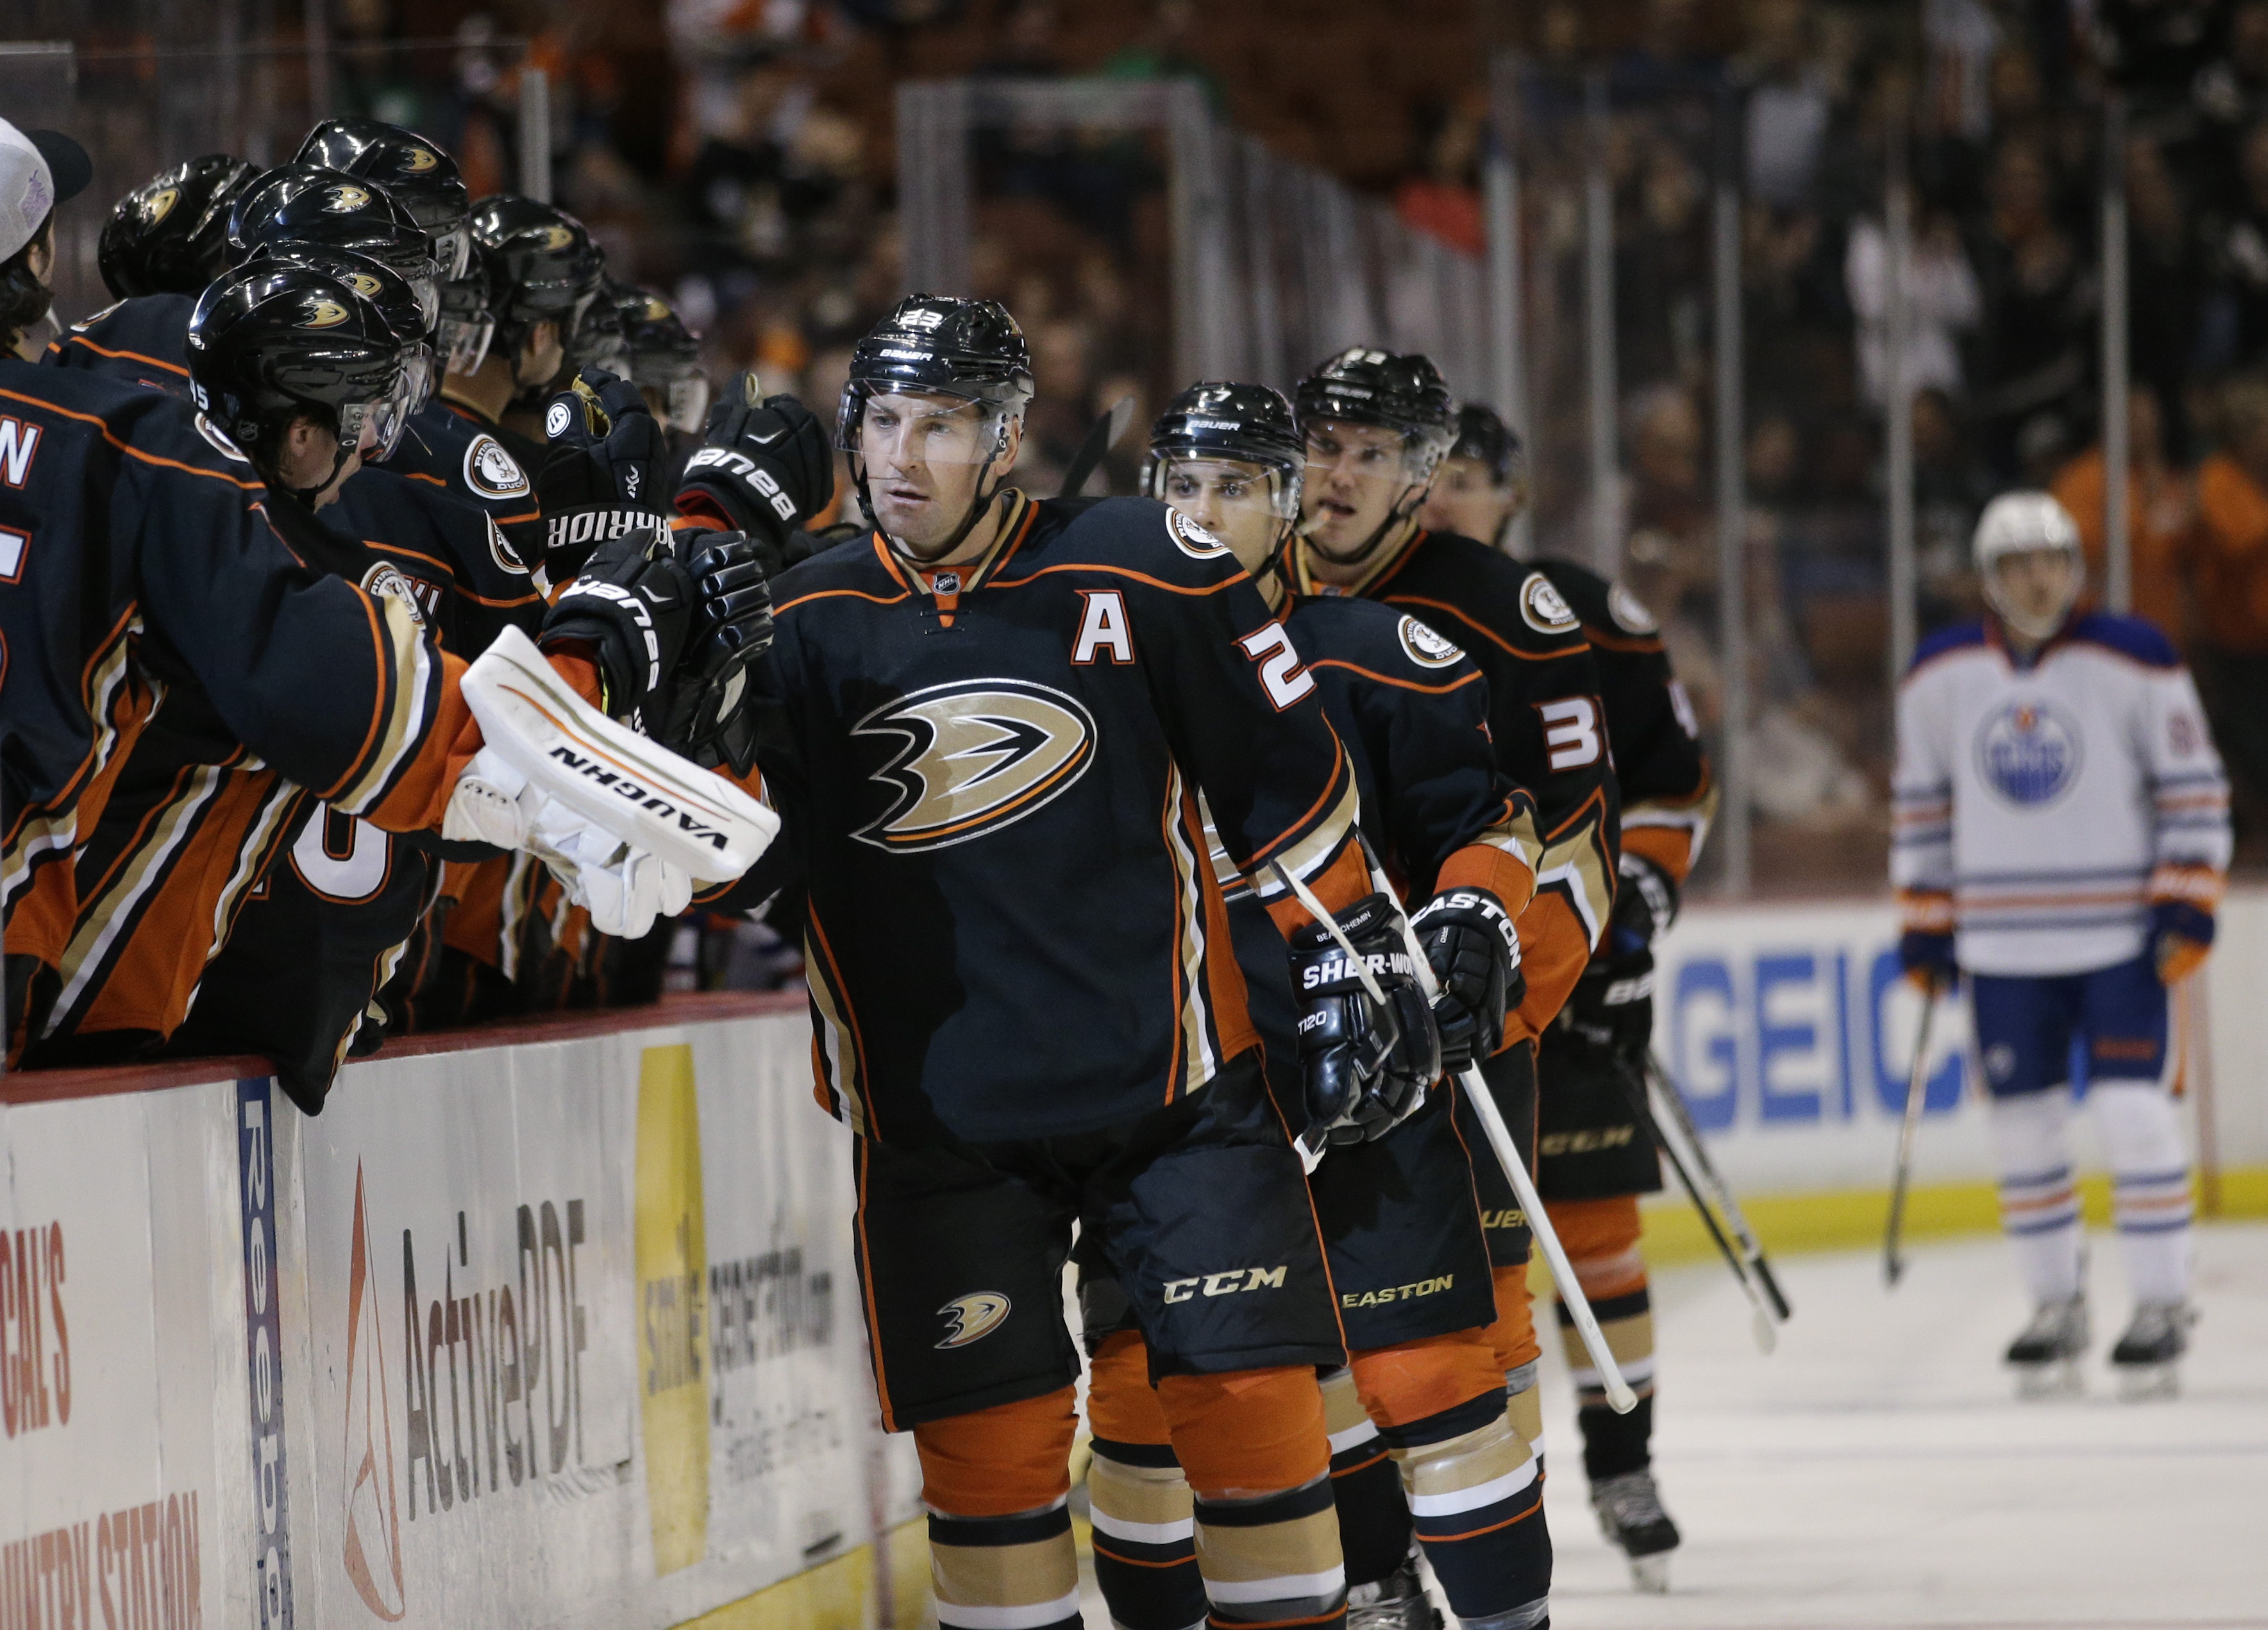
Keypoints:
(464, 345)
(1245, 504)
(1357, 477)
(2033, 589)
(373, 428)
(453, 251)
(686, 401)
(905, 433)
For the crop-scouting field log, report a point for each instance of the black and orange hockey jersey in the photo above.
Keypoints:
(989, 778)
(1668, 796)
(1549, 726)
(142, 341)
(138, 550)
(1412, 712)
(449, 447)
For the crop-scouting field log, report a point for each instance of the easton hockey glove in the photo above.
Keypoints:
(1473, 949)
(762, 466)
(633, 606)
(709, 718)
(1363, 1068)
(597, 481)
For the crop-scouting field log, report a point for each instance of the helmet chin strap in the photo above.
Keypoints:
(306, 496)
(977, 506)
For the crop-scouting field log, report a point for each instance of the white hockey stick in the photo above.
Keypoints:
(615, 778)
(1620, 1398)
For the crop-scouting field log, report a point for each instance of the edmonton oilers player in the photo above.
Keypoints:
(989, 724)
(2061, 838)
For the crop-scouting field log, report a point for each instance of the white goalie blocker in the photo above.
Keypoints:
(628, 826)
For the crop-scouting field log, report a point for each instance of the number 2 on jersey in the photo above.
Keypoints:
(1280, 673)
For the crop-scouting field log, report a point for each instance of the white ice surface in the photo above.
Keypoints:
(1878, 1472)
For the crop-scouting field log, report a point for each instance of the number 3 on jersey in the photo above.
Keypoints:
(340, 858)
(1280, 673)
(1570, 731)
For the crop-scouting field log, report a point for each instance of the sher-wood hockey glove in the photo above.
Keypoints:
(597, 481)
(1363, 1068)
(709, 718)
(762, 467)
(633, 606)
(1473, 949)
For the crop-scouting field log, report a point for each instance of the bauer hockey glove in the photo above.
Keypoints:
(597, 481)
(2181, 937)
(1473, 949)
(1645, 902)
(1363, 1068)
(709, 721)
(633, 606)
(762, 465)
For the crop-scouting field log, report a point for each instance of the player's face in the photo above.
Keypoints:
(925, 459)
(1230, 499)
(1356, 475)
(2034, 588)
(1465, 500)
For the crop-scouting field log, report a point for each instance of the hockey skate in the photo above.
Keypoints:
(1630, 1510)
(2045, 1356)
(1397, 1602)
(2147, 1358)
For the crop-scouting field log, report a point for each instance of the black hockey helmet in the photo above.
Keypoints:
(598, 341)
(1397, 391)
(938, 345)
(170, 234)
(664, 356)
(544, 267)
(272, 340)
(422, 178)
(309, 203)
(468, 315)
(382, 287)
(1251, 422)
(1488, 441)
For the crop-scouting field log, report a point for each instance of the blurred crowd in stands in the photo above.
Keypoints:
(739, 156)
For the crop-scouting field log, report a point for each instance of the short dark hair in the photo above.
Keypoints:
(24, 298)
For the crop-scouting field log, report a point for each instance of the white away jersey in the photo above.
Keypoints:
(2041, 809)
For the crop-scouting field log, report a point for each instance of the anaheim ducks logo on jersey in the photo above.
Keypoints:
(1425, 647)
(973, 1318)
(1544, 607)
(491, 472)
(1191, 539)
(973, 756)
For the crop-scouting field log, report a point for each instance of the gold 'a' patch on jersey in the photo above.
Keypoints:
(973, 756)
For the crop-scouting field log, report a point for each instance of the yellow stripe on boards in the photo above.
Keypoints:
(841, 1595)
(672, 1314)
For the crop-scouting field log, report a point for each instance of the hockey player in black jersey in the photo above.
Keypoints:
(1400, 1218)
(1595, 1156)
(145, 562)
(1377, 428)
(990, 726)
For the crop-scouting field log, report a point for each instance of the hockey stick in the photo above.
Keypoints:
(1894, 1263)
(1100, 440)
(1634, 1087)
(1620, 1398)
(1752, 1252)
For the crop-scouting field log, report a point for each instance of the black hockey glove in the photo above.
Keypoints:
(764, 465)
(597, 481)
(1364, 1068)
(1470, 940)
(1612, 1003)
(709, 719)
(634, 605)
(1646, 904)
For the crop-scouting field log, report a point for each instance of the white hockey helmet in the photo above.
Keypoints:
(2022, 523)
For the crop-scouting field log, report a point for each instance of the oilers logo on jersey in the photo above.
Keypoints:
(972, 757)
(2029, 752)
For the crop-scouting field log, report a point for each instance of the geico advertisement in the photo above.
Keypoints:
(467, 1252)
(1792, 1036)
(111, 1514)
